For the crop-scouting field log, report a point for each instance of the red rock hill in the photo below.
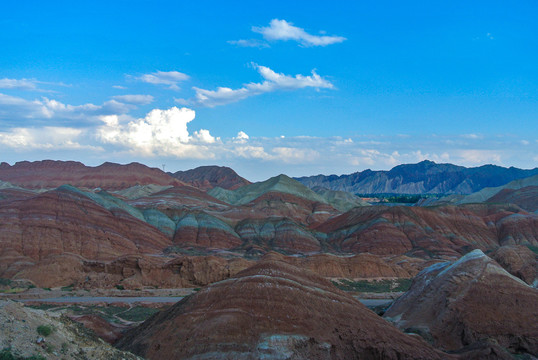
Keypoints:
(48, 174)
(273, 310)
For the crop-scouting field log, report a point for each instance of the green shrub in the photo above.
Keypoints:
(120, 287)
(6, 354)
(44, 330)
(68, 287)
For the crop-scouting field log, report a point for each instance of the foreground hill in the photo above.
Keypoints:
(425, 177)
(49, 174)
(454, 305)
(18, 336)
(272, 311)
(208, 177)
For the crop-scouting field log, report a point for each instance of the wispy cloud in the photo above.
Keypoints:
(169, 78)
(249, 43)
(134, 99)
(45, 138)
(14, 108)
(283, 30)
(19, 84)
(273, 81)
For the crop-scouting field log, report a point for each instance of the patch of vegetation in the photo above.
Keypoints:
(533, 248)
(138, 313)
(68, 287)
(6, 354)
(49, 348)
(399, 198)
(120, 287)
(13, 290)
(5, 282)
(376, 286)
(45, 330)
(191, 251)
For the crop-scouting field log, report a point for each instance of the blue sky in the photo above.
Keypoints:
(276, 87)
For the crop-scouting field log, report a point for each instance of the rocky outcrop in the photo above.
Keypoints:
(68, 340)
(424, 177)
(49, 174)
(208, 177)
(519, 261)
(454, 305)
(273, 311)
(132, 272)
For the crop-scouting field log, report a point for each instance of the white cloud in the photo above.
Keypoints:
(249, 43)
(472, 136)
(283, 30)
(119, 87)
(204, 136)
(14, 108)
(170, 78)
(292, 155)
(161, 132)
(272, 82)
(241, 137)
(479, 156)
(19, 84)
(45, 138)
(134, 99)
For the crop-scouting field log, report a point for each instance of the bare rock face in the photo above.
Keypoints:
(354, 267)
(63, 221)
(519, 261)
(272, 311)
(132, 272)
(49, 174)
(208, 177)
(455, 305)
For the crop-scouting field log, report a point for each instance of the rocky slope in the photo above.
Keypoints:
(273, 311)
(519, 261)
(49, 174)
(68, 340)
(131, 272)
(66, 221)
(526, 198)
(425, 177)
(208, 177)
(454, 305)
(430, 232)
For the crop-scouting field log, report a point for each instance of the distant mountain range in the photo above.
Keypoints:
(426, 177)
